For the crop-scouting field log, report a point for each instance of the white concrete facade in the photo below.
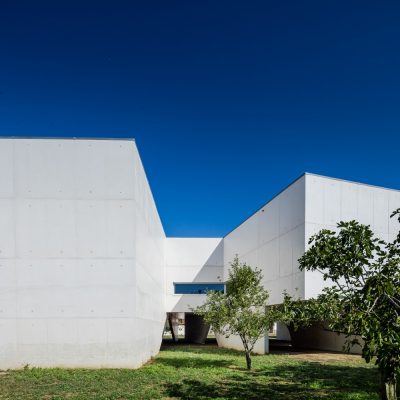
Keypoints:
(81, 255)
(330, 200)
(191, 260)
(87, 274)
(274, 238)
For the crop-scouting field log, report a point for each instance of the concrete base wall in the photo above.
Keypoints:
(233, 342)
(319, 337)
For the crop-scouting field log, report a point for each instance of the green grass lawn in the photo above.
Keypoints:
(202, 372)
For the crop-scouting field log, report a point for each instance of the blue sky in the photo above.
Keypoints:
(229, 101)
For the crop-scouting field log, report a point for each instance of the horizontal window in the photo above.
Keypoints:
(198, 288)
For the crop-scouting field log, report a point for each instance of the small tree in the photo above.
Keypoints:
(242, 310)
(365, 300)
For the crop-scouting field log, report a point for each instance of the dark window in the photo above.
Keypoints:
(197, 288)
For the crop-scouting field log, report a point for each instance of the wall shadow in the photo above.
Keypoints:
(213, 261)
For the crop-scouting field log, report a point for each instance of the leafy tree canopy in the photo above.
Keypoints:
(365, 297)
(241, 310)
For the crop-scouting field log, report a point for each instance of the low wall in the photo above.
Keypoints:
(234, 342)
(318, 336)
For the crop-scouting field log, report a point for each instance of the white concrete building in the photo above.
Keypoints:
(275, 236)
(87, 275)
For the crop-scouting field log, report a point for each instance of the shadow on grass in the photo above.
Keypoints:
(193, 362)
(229, 389)
(301, 381)
(202, 349)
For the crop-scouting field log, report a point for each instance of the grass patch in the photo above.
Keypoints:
(201, 372)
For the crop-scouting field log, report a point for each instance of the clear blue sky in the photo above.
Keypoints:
(229, 101)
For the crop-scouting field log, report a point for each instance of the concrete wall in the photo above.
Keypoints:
(273, 239)
(81, 255)
(330, 200)
(191, 260)
(234, 342)
(319, 336)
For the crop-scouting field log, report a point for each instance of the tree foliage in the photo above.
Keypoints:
(241, 310)
(299, 313)
(365, 297)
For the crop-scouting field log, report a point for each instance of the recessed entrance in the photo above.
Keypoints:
(187, 328)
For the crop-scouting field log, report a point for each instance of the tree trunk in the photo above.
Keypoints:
(388, 385)
(248, 360)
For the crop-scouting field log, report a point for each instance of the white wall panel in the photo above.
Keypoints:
(30, 228)
(31, 331)
(268, 222)
(121, 229)
(278, 286)
(243, 239)
(314, 197)
(298, 244)
(62, 332)
(380, 222)
(285, 255)
(91, 166)
(291, 206)
(275, 243)
(7, 169)
(349, 201)
(332, 201)
(8, 302)
(251, 258)
(32, 273)
(91, 226)
(44, 168)
(7, 274)
(45, 228)
(120, 185)
(268, 260)
(7, 231)
(191, 260)
(8, 329)
(193, 252)
(365, 205)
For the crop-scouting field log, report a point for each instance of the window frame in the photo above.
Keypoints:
(198, 283)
